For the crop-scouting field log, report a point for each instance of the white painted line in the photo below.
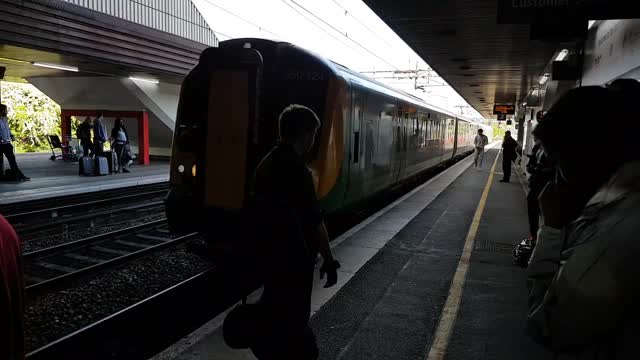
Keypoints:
(452, 305)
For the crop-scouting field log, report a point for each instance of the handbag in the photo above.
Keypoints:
(240, 328)
(129, 155)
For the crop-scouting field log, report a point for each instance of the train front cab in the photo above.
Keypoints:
(212, 149)
(227, 122)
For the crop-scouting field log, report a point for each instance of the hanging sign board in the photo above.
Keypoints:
(504, 109)
(525, 11)
(502, 117)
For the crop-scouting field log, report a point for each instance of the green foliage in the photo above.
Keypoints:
(32, 116)
(498, 130)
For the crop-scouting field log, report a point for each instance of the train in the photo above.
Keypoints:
(372, 137)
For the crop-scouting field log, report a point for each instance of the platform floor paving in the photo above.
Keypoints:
(397, 272)
(58, 178)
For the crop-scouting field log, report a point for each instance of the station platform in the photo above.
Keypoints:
(59, 178)
(431, 276)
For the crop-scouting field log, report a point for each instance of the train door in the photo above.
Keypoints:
(354, 187)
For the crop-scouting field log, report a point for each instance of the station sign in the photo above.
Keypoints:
(502, 117)
(504, 109)
(526, 11)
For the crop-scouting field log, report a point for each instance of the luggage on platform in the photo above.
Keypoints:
(112, 160)
(101, 166)
(86, 166)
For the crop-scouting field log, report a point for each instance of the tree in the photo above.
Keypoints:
(32, 116)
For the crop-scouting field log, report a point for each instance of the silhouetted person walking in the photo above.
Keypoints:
(296, 233)
(509, 155)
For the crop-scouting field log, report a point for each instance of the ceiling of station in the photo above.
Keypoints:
(487, 63)
(18, 62)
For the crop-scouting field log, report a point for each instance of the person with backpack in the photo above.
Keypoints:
(83, 133)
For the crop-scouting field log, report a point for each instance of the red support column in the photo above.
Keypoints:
(65, 126)
(143, 138)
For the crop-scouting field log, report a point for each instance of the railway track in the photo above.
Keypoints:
(54, 266)
(38, 214)
(38, 229)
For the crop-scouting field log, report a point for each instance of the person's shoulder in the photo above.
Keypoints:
(7, 233)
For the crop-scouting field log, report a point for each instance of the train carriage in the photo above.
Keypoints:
(372, 137)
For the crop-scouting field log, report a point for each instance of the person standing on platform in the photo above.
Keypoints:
(509, 155)
(6, 148)
(120, 138)
(99, 135)
(291, 215)
(480, 142)
(541, 172)
(11, 294)
(583, 274)
(83, 133)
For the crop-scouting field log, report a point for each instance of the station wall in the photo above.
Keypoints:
(119, 94)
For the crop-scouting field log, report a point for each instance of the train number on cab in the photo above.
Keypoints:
(305, 75)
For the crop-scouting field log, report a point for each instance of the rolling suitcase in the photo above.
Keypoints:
(112, 160)
(101, 166)
(86, 166)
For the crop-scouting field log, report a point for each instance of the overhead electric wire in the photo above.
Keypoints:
(347, 12)
(340, 32)
(321, 28)
(261, 28)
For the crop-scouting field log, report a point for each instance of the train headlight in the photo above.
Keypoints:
(180, 169)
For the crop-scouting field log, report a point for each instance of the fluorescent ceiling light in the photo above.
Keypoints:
(57, 67)
(563, 54)
(153, 81)
(543, 79)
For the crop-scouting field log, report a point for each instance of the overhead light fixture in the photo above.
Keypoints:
(13, 60)
(563, 54)
(57, 67)
(153, 81)
(544, 78)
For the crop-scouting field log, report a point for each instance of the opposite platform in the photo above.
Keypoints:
(58, 178)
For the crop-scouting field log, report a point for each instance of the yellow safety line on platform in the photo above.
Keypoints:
(450, 310)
